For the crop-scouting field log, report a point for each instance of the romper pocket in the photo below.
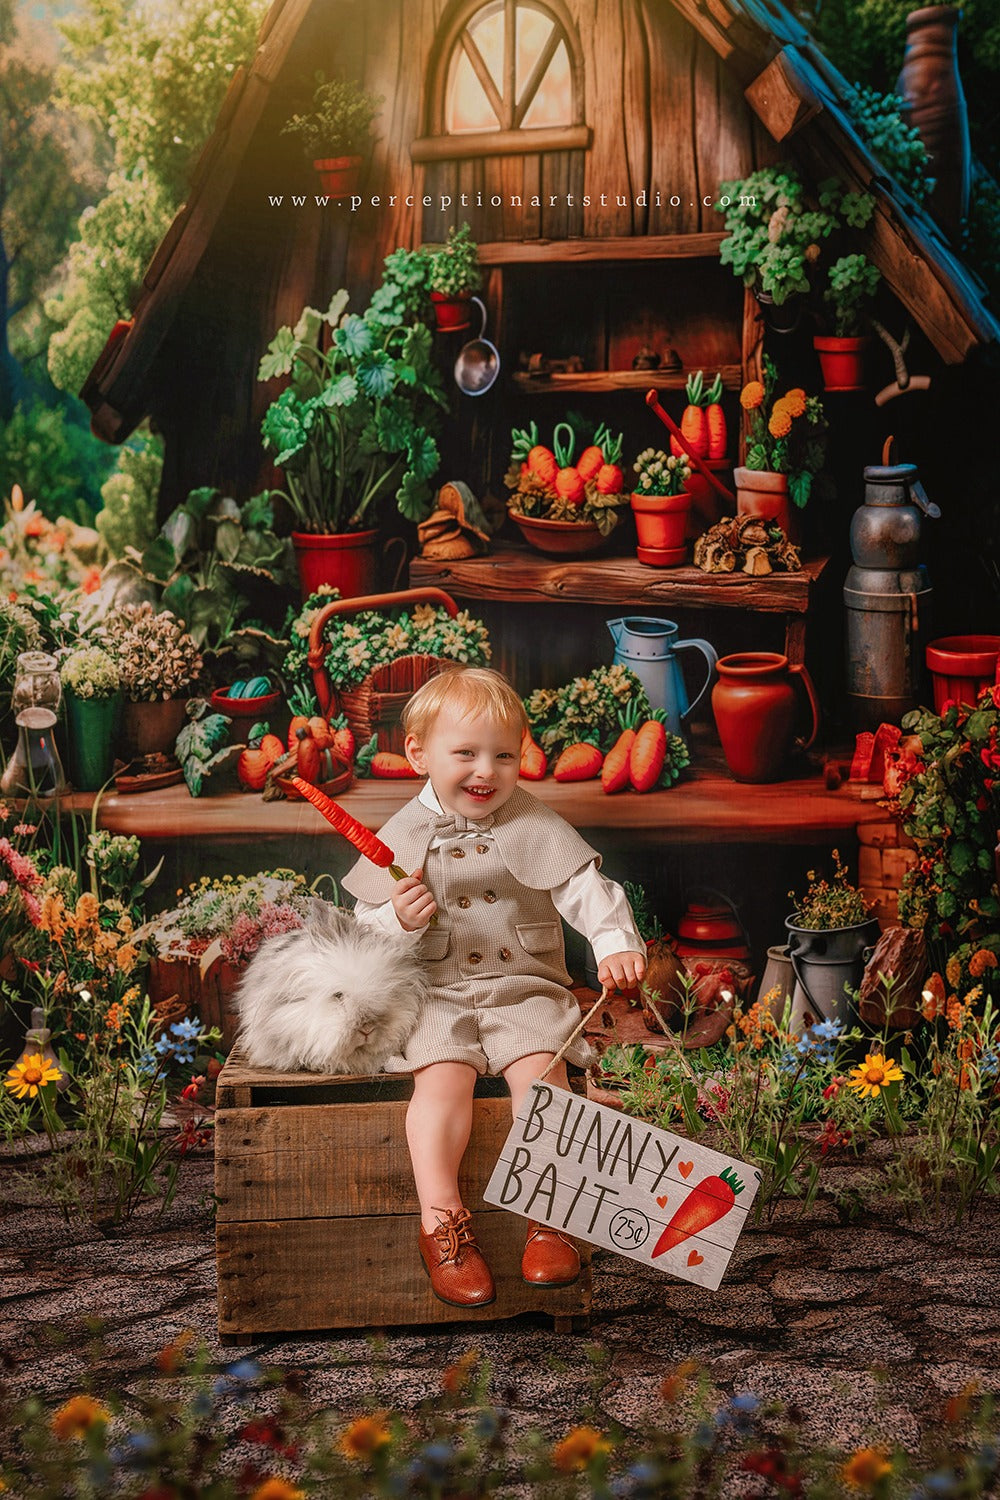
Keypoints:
(435, 943)
(539, 937)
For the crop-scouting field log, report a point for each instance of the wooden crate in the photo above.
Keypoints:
(317, 1215)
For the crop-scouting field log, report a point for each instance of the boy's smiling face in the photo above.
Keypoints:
(472, 761)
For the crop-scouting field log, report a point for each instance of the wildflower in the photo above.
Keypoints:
(193, 1089)
(456, 1376)
(751, 395)
(865, 1468)
(933, 996)
(277, 1489)
(364, 1436)
(186, 1030)
(29, 1075)
(675, 1383)
(873, 1075)
(76, 1417)
(957, 1407)
(980, 961)
(578, 1449)
(834, 1087)
(953, 971)
(171, 1356)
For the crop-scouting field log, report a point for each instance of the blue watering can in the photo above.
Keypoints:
(649, 647)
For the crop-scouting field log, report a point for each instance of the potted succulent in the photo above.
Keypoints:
(453, 275)
(562, 502)
(335, 132)
(660, 503)
(356, 425)
(829, 935)
(159, 665)
(775, 235)
(91, 694)
(852, 284)
(786, 445)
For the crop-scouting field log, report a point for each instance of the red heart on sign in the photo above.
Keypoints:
(662, 1202)
(685, 1168)
(694, 1259)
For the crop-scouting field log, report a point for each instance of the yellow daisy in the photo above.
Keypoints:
(874, 1074)
(76, 1416)
(578, 1448)
(865, 1468)
(30, 1074)
(751, 395)
(364, 1435)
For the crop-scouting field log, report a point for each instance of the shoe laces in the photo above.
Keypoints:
(453, 1231)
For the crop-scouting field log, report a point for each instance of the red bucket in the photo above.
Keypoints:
(961, 666)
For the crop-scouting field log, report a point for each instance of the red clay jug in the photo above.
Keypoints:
(755, 710)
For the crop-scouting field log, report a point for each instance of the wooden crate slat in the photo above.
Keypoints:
(313, 1274)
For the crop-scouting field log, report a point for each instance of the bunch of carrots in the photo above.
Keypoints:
(644, 756)
(703, 422)
(598, 464)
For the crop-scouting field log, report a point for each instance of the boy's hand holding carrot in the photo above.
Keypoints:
(623, 970)
(412, 902)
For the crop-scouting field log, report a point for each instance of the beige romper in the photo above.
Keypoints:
(496, 956)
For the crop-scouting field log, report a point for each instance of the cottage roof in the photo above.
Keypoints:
(792, 87)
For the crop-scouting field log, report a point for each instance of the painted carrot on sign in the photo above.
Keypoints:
(705, 1204)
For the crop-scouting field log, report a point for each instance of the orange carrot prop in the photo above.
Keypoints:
(356, 833)
(705, 1204)
(653, 402)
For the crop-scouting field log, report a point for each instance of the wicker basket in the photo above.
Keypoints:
(376, 705)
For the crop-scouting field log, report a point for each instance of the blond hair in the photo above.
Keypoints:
(468, 691)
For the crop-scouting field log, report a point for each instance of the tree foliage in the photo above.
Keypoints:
(152, 79)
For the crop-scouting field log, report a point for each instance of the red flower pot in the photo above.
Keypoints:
(345, 559)
(452, 313)
(842, 362)
(660, 524)
(339, 175)
(765, 495)
(961, 666)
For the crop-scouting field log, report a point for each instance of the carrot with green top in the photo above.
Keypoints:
(705, 1204)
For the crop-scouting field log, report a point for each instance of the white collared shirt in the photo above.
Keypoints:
(588, 900)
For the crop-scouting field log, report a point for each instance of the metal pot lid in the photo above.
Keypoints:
(891, 473)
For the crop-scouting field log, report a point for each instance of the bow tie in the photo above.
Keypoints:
(452, 823)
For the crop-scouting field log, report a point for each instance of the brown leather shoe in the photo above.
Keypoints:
(549, 1259)
(459, 1274)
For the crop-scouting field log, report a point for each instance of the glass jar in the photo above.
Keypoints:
(36, 682)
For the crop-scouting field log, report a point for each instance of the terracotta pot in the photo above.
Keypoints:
(452, 313)
(707, 505)
(961, 666)
(339, 175)
(560, 538)
(660, 524)
(934, 103)
(842, 362)
(346, 559)
(765, 495)
(755, 711)
(150, 728)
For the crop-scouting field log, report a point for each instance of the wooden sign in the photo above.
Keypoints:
(621, 1183)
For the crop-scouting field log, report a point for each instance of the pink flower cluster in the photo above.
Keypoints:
(27, 877)
(249, 932)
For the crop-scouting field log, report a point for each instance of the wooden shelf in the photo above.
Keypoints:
(515, 574)
(602, 381)
(708, 802)
(614, 247)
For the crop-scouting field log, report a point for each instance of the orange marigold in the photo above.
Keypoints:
(980, 961)
(76, 1416)
(364, 1436)
(579, 1448)
(780, 424)
(795, 401)
(751, 395)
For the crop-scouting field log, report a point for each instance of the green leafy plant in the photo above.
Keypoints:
(775, 234)
(358, 422)
(657, 473)
(453, 268)
(851, 287)
(203, 745)
(90, 673)
(827, 904)
(787, 433)
(339, 122)
(588, 709)
(222, 567)
(898, 146)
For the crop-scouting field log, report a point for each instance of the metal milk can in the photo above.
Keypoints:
(649, 647)
(887, 596)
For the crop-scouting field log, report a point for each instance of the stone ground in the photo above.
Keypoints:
(869, 1326)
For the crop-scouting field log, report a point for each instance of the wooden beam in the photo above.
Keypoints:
(780, 99)
(482, 143)
(616, 247)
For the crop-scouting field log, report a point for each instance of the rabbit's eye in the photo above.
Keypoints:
(337, 995)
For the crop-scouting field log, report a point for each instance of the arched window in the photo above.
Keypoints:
(507, 77)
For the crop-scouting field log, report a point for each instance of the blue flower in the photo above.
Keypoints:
(989, 1064)
(244, 1370)
(941, 1482)
(745, 1401)
(186, 1029)
(828, 1031)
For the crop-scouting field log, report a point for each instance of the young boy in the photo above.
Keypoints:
(499, 868)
